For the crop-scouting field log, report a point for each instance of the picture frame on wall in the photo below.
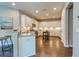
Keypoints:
(6, 23)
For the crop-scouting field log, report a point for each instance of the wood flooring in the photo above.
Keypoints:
(52, 48)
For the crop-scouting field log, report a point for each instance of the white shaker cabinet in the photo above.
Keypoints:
(27, 46)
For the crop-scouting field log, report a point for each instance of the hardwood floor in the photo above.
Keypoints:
(51, 48)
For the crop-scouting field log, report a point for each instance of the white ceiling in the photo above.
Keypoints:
(42, 7)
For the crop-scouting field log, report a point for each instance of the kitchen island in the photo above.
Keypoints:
(27, 46)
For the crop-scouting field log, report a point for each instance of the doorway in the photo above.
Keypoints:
(70, 25)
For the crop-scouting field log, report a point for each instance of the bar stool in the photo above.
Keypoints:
(5, 47)
(46, 35)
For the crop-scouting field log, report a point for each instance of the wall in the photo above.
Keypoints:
(9, 12)
(27, 21)
(75, 29)
(49, 24)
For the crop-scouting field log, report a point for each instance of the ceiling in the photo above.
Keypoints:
(45, 9)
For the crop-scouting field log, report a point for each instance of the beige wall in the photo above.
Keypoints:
(52, 24)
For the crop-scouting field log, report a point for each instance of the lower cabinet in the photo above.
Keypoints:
(27, 46)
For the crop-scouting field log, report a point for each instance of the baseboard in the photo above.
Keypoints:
(65, 45)
(50, 36)
(70, 45)
(33, 56)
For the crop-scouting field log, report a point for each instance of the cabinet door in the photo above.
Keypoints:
(26, 46)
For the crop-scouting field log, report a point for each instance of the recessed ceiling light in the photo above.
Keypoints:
(36, 11)
(47, 14)
(13, 4)
(54, 8)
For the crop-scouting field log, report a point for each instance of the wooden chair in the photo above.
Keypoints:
(46, 35)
